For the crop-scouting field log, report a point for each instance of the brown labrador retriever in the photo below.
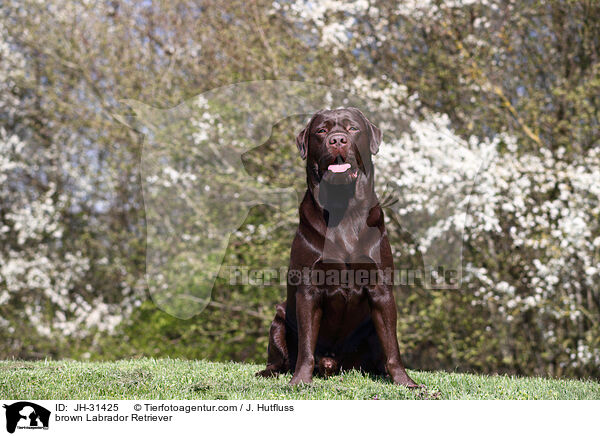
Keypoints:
(340, 311)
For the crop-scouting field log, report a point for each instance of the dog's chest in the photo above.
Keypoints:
(352, 241)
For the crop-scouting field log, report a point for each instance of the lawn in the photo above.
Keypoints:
(202, 380)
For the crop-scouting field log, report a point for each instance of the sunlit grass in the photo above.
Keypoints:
(183, 379)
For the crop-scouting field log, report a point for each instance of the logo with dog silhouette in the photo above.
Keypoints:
(26, 415)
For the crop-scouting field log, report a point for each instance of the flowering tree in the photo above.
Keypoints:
(48, 208)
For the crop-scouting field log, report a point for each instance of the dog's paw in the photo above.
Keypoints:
(298, 379)
(404, 380)
(267, 373)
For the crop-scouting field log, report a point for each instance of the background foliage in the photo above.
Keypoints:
(509, 88)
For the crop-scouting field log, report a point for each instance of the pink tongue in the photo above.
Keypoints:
(335, 168)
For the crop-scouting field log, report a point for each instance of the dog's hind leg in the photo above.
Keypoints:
(277, 352)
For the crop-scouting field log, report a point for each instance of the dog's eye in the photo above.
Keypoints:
(352, 128)
(321, 131)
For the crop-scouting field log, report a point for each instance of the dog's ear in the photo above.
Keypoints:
(374, 132)
(304, 136)
(375, 137)
(302, 141)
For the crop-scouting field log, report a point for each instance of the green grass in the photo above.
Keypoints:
(183, 379)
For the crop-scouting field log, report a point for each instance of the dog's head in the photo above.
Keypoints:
(338, 145)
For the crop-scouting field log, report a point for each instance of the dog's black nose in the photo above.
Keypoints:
(338, 140)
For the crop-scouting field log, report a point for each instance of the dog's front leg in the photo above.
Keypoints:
(308, 316)
(383, 312)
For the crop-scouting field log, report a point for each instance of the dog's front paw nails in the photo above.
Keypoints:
(301, 379)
